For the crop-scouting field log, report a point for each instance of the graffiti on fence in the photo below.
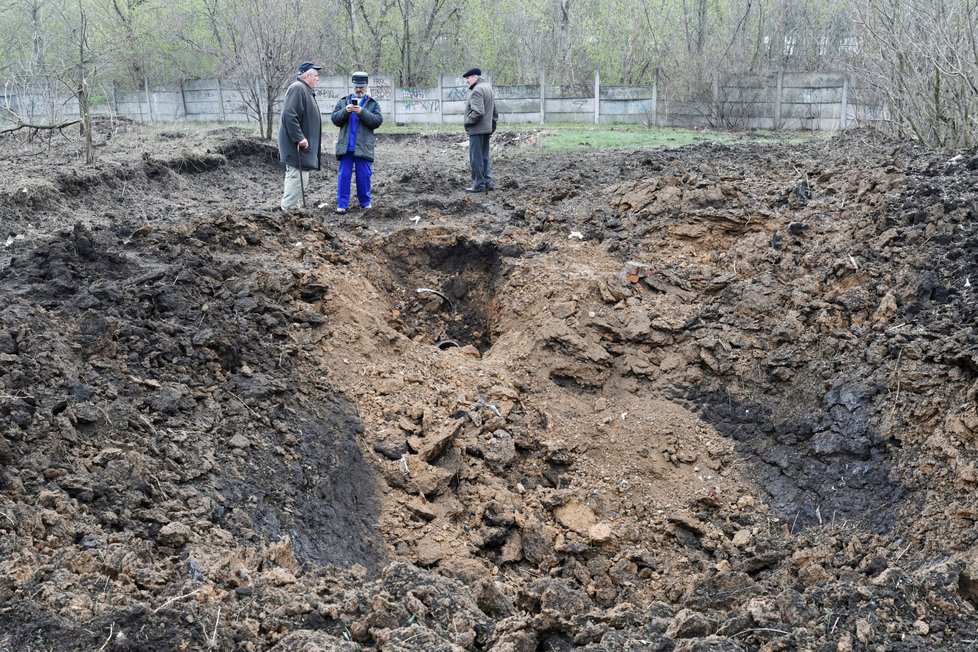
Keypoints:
(426, 106)
(381, 92)
(626, 92)
(410, 94)
(419, 99)
(517, 92)
(458, 94)
(569, 91)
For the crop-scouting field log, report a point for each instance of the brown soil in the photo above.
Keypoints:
(709, 398)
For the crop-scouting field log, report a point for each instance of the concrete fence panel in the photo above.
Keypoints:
(819, 101)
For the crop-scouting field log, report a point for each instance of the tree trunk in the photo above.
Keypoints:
(269, 111)
(83, 109)
(86, 120)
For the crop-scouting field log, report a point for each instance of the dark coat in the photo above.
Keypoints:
(370, 119)
(480, 109)
(300, 119)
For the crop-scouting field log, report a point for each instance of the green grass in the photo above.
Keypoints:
(571, 136)
(638, 137)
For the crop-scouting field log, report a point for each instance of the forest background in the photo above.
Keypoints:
(919, 59)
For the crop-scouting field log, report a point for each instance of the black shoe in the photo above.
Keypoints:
(474, 189)
(490, 187)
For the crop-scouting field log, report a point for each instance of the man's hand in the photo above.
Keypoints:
(303, 144)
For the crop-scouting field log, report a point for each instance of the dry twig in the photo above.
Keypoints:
(175, 598)
(762, 629)
(213, 642)
(111, 631)
(241, 401)
(153, 429)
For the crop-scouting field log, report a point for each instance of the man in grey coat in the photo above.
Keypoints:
(480, 122)
(300, 134)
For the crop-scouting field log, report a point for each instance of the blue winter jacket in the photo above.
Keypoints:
(370, 119)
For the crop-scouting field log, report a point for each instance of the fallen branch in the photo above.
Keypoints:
(26, 125)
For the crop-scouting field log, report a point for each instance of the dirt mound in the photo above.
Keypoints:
(705, 398)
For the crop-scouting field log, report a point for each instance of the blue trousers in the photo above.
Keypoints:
(479, 159)
(364, 170)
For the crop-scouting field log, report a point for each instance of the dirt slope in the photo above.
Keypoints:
(711, 398)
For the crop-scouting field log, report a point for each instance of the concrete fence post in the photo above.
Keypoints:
(655, 97)
(149, 99)
(597, 97)
(441, 99)
(220, 98)
(845, 102)
(543, 97)
(183, 101)
(779, 90)
(393, 102)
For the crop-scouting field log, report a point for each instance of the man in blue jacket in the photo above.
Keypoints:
(357, 115)
(301, 131)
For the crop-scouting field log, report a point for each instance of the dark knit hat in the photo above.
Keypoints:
(473, 71)
(359, 79)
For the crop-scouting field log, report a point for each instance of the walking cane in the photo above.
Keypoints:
(302, 186)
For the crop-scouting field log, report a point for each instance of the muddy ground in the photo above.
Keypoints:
(709, 398)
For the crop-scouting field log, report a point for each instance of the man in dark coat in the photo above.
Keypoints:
(480, 122)
(301, 132)
(357, 115)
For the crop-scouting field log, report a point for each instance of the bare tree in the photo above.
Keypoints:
(920, 61)
(259, 43)
(370, 32)
(563, 35)
(57, 59)
(131, 18)
(29, 33)
(409, 37)
(83, 62)
(76, 64)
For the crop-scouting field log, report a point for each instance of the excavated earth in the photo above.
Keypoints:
(711, 398)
